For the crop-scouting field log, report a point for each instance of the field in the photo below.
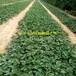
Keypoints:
(38, 54)
(70, 22)
(9, 11)
(8, 1)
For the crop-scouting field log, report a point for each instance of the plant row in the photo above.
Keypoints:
(68, 21)
(37, 55)
(8, 1)
(9, 11)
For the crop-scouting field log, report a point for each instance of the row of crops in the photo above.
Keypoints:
(70, 22)
(9, 11)
(39, 55)
(9, 1)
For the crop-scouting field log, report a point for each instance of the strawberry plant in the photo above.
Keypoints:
(38, 55)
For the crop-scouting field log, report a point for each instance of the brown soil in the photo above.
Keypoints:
(10, 28)
(11, 3)
(62, 11)
(71, 35)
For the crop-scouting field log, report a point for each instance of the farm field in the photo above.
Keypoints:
(41, 53)
(68, 21)
(9, 11)
(8, 1)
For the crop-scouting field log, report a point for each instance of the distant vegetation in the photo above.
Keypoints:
(69, 5)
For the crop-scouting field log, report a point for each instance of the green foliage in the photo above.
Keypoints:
(70, 22)
(9, 11)
(39, 55)
(72, 12)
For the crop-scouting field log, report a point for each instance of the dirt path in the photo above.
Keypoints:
(71, 35)
(10, 28)
(62, 11)
(11, 3)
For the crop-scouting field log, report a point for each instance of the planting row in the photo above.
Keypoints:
(9, 11)
(38, 55)
(68, 21)
(9, 1)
